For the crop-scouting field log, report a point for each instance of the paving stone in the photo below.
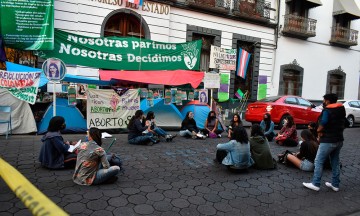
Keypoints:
(172, 194)
(155, 196)
(148, 188)
(162, 206)
(197, 200)
(163, 186)
(180, 203)
(117, 201)
(124, 211)
(187, 191)
(4, 206)
(97, 204)
(226, 195)
(130, 191)
(102, 213)
(211, 197)
(137, 199)
(23, 212)
(191, 211)
(144, 209)
(93, 195)
(112, 193)
(74, 208)
(206, 210)
(221, 206)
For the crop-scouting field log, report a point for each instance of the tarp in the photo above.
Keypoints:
(200, 111)
(75, 122)
(22, 118)
(174, 78)
(165, 115)
(43, 80)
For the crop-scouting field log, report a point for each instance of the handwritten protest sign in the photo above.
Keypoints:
(22, 85)
(211, 80)
(221, 58)
(107, 110)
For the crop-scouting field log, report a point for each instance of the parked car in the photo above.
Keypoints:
(280, 107)
(352, 108)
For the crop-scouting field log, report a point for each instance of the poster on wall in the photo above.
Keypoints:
(191, 96)
(125, 53)
(143, 93)
(27, 25)
(107, 110)
(173, 95)
(211, 80)
(223, 93)
(71, 95)
(167, 97)
(178, 98)
(203, 96)
(223, 59)
(81, 91)
(262, 88)
(150, 99)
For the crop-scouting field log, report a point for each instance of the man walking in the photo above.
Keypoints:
(330, 130)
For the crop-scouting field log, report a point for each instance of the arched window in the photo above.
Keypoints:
(125, 23)
(336, 82)
(291, 79)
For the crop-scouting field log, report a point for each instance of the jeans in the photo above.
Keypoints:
(104, 174)
(325, 150)
(306, 166)
(160, 131)
(185, 133)
(142, 140)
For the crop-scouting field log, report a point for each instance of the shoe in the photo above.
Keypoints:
(311, 186)
(328, 184)
(219, 135)
(156, 141)
(193, 135)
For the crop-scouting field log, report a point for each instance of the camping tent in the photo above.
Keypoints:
(200, 111)
(22, 118)
(75, 122)
(166, 115)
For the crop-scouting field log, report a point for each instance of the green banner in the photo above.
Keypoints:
(126, 53)
(27, 24)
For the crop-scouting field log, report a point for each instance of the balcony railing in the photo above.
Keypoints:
(299, 26)
(344, 36)
(256, 9)
(222, 6)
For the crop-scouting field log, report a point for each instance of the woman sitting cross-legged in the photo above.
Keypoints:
(304, 159)
(211, 126)
(154, 129)
(260, 149)
(54, 151)
(235, 122)
(92, 166)
(268, 127)
(189, 127)
(287, 135)
(235, 154)
(136, 129)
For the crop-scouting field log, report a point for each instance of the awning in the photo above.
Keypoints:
(314, 3)
(347, 7)
(174, 78)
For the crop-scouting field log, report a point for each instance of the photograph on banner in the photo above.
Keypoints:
(178, 98)
(54, 69)
(81, 91)
(223, 59)
(196, 94)
(143, 93)
(203, 96)
(191, 96)
(167, 97)
(158, 93)
(183, 95)
(173, 95)
(71, 95)
(150, 99)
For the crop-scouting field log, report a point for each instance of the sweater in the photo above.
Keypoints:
(260, 152)
(52, 151)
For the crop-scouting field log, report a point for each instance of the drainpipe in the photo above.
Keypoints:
(276, 35)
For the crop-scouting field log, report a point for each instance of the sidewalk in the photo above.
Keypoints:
(179, 178)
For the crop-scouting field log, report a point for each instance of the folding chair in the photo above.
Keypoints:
(5, 118)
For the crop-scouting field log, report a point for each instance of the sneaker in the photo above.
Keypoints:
(311, 186)
(193, 135)
(328, 184)
(219, 135)
(156, 141)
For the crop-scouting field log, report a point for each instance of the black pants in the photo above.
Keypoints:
(290, 142)
(270, 136)
(220, 155)
(69, 160)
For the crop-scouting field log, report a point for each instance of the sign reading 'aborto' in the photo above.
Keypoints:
(27, 24)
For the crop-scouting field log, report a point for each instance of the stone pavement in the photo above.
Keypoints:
(179, 178)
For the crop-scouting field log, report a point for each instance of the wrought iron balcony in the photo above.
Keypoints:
(298, 26)
(343, 36)
(256, 10)
(222, 6)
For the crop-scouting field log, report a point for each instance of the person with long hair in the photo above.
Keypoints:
(81, 90)
(136, 129)
(287, 135)
(53, 71)
(235, 154)
(304, 159)
(92, 165)
(268, 127)
(154, 129)
(312, 126)
(189, 127)
(235, 122)
(211, 126)
(260, 149)
(54, 151)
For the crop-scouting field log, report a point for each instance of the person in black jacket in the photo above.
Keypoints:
(330, 132)
(189, 128)
(136, 129)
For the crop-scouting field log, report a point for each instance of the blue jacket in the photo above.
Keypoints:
(238, 154)
(53, 150)
(263, 126)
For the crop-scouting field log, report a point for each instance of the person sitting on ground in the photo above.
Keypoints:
(211, 126)
(304, 159)
(235, 154)
(135, 135)
(287, 135)
(189, 127)
(155, 130)
(235, 122)
(260, 149)
(268, 127)
(313, 128)
(54, 151)
(88, 170)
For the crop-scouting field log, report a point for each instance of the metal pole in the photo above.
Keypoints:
(54, 99)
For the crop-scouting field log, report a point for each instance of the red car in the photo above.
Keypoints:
(279, 107)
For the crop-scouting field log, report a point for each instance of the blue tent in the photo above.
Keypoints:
(166, 115)
(200, 111)
(75, 122)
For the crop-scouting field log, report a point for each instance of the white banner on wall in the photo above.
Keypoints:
(107, 110)
(211, 80)
(223, 59)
